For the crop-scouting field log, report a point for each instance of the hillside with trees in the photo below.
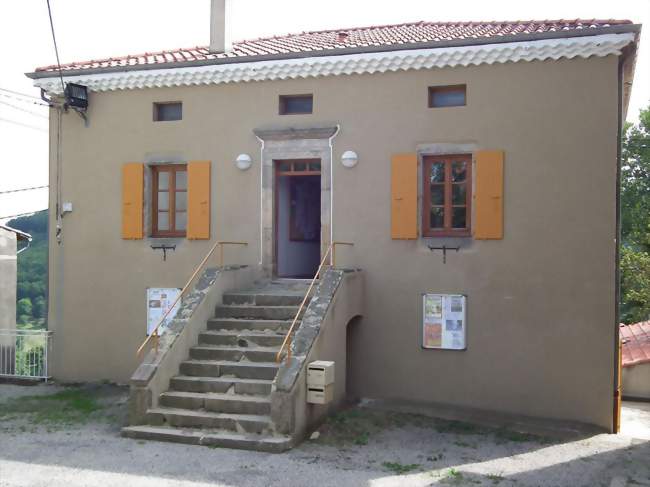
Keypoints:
(31, 306)
(635, 221)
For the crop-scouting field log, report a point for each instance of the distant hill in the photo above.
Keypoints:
(31, 308)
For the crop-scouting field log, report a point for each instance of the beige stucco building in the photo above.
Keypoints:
(501, 147)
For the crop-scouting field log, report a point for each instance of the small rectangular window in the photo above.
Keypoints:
(447, 96)
(168, 111)
(296, 104)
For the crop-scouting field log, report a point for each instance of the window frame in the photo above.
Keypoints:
(282, 104)
(441, 89)
(156, 111)
(447, 230)
(171, 190)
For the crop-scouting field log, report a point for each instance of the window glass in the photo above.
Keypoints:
(181, 180)
(181, 200)
(437, 194)
(163, 220)
(447, 96)
(163, 180)
(459, 217)
(437, 217)
(181, 220)
(299, 166)
(438, 172)
(167, 112)
(163, 200)
(458, 171)
(458, 194)
(295, 104)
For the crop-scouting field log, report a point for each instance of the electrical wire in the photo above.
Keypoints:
(23, 189)
(22, 100)
(19, 214)
(56, 49)
(19, 94)
(26, 125)
(39, 115)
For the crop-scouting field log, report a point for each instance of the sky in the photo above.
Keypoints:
(91, 29)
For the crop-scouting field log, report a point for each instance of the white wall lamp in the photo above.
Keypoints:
(349, 159)
(243, 162)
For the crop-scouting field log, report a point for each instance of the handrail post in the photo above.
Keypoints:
(220, 254)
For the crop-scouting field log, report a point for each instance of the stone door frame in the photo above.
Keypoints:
(292, 143)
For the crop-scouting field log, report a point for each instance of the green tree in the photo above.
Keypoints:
(24, 307)
(635, 220)
(39, 307)
(32, 266)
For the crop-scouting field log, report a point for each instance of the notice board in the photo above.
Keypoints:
(159, 300)
(444, 324)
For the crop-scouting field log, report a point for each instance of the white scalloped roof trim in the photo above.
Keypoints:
(365, 63)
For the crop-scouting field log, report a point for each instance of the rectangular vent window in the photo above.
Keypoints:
(167, 112)
(447, 96)
(296, 104)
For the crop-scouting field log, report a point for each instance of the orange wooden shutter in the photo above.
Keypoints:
(404, 196)
(132, 200)
(198, 200)
(488, 198)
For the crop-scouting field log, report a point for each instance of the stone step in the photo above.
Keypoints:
(277, 326)
(219, 368)
(242, 338)
(256, 312)
(216, 402)
(250, 441)
(262, 298)
(189, 418)
(235, 354)
(188, 383)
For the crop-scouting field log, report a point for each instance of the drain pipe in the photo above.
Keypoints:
(338, 129)
(261, 198)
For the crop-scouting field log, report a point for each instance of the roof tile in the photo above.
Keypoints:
(378, 35)
(636, 343)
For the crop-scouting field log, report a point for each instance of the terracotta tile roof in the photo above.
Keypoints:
(358, 37)
(636, 343)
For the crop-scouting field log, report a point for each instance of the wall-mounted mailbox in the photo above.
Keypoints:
(320, 373)
(320, 395)
(320, 382)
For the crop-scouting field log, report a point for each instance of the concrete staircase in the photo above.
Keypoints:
(221, 396)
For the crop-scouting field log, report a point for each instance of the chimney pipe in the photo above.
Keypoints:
(220, 13)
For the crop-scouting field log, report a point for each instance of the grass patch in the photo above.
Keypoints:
(504, 435)
(400, 468)
(64, 408)
(356, 426)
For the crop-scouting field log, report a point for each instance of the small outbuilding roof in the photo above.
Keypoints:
(19, 235)
(636, 343)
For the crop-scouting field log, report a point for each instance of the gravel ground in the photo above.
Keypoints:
(357, 448)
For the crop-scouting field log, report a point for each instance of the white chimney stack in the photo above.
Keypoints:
(220, 13)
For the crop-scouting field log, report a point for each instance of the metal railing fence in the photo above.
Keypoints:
(24, 353)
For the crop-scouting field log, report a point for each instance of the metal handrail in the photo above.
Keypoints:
(331, 252)
(154, 332)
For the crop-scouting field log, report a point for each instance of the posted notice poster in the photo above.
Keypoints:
(443, 321)
(159, 300)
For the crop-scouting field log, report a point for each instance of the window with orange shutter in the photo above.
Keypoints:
(447, 196)
(169, 200)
